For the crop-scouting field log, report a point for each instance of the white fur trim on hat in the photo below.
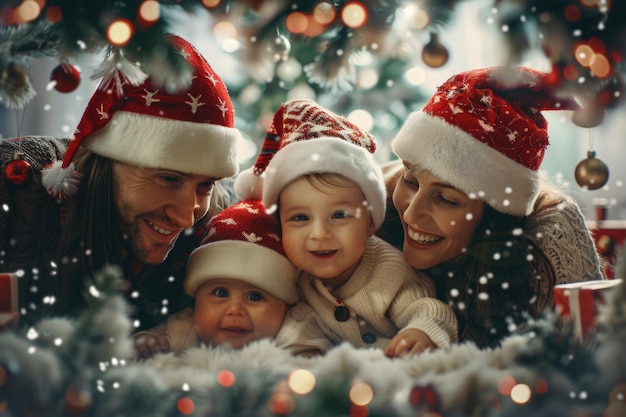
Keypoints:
(245, 261)
(327, 155)
(454, 156)
(157, 142)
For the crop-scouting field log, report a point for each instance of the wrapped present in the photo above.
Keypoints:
(8, 300)
(8, 293)
(579, 302)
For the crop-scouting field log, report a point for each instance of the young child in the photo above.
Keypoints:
(317, 171)
(242, 283)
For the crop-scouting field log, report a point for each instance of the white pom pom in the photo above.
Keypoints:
(60, 182)
(248, 185)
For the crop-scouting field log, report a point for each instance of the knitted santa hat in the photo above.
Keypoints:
(191, 131)
(303, 139)
(482, 132)
(244, 243)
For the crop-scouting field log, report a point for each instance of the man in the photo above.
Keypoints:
(136, 187)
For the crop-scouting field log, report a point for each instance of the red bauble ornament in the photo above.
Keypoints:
(66, 78)
(18, 172)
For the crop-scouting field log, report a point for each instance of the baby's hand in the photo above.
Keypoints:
(411, 341)
(149, 344)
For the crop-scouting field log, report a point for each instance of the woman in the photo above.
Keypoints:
(474, 212)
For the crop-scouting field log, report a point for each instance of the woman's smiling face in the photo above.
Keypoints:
(438, 219)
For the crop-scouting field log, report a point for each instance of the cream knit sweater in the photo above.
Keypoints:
(384, 295)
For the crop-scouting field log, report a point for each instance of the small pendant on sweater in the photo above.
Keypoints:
(342, 313)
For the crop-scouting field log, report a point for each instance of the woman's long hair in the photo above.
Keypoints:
(495, 283)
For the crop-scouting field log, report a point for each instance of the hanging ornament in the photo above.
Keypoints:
(591, 173)
(18, 172)
(13, 77)
(590, 114)
(65, 77)
(280, 48)
(15, 87)
(434, 54)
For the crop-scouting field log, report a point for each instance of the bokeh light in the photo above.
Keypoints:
(505, 385)
(419, 18)
(415, 75)
(120, 32)
(227, 35)
(226, 378)
(520, 394)
(359, 411)
(584, 54)
(185, 405)
(313, 28)
(209, 4)
(361, 118)
(27, 11)
(600, 66)
(296, 22)
(361, 394)
(150, 11)
(572, 13)
(324, 13)
(289, 70)
(301, 381)
(281, 403)
(54, 14)
(354, 15)
(570, 72)
(541, 386)
(367, 78)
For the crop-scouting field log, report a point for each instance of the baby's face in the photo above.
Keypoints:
(233, 312)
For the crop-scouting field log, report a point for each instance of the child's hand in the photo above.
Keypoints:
(409, 341)
(149, 344)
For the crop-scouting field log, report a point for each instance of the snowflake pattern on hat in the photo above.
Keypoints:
(300, 120)
(304, 138)
(246, 221)
(483, 133)
(243, 243)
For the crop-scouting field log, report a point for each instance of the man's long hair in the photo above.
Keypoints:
(92, 236)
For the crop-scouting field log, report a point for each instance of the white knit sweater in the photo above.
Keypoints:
(384, 295)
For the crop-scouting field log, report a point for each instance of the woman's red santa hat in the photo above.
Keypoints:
(189, 130)
(483, 133)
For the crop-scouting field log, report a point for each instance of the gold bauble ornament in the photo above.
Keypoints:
(591, 173)
(434, 54)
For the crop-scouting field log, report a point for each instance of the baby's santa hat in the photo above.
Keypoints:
(304, 139)
(189, 130)
(244, 243)
(483, 133)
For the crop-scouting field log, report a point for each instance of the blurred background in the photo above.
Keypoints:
(380, 62)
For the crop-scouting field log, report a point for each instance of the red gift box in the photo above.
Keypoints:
(8, 293)
(580, 301)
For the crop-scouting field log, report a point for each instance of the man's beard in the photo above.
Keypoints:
(132, 238)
